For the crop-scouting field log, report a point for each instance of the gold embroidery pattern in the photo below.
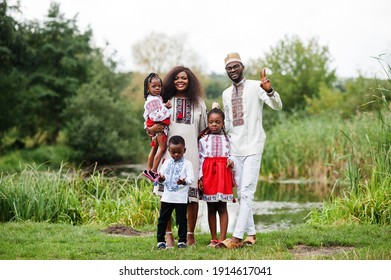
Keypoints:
(237, 105)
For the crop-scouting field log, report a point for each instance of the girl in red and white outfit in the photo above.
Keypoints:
(215, 175)
(155, 111)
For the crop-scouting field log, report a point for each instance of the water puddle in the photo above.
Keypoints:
(268, 215)
(277, 205)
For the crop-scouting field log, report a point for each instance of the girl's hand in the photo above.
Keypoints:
(265, 83)
(230, 164)
(181, 181)
(168, 105)
(201, 184)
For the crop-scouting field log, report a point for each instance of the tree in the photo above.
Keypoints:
(100, 123)
(298, 69)
(13, 58)
(215, 85)
(158, 53)
(60, 58)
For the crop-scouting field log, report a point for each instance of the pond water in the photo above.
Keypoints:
(277, 205)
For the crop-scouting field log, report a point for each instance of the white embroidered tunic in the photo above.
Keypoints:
(173, 171)
(188, 120)
(212, 145)
(243, 105)
(154, 109)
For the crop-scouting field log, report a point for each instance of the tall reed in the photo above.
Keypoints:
(70, 197)
(368, 200)
(38, 196)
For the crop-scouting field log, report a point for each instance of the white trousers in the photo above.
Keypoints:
(246, 177)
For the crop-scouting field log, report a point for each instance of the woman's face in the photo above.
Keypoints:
(181, 81)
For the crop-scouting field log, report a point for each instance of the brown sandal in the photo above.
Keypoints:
(250, 241)
(228, 244)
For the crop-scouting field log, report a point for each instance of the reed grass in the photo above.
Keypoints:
(368, 198)
(68, 196)
(318, 148)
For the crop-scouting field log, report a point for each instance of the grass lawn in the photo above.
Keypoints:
(43, 241)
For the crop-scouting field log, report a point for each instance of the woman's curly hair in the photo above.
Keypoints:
(193, 91)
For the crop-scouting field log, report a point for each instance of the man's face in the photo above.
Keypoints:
(235, 71)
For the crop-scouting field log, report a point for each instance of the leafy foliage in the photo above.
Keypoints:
(101, 137)
(13, 57)
(216, 85)
(299, 69)
(58, 67)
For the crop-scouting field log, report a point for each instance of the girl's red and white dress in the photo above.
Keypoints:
(214, 151)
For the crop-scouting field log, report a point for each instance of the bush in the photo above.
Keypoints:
(47, 156)
(102, 128)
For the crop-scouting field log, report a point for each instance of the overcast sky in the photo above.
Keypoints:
(354, 30)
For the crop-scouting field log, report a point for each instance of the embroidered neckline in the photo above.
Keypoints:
(240, 83)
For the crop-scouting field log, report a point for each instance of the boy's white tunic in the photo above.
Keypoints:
(248, 138)
(172, 171)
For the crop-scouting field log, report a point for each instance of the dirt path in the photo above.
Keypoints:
(125, 230)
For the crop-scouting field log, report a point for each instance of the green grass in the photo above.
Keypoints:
(44, 241)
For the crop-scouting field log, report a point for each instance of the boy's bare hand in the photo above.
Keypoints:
(181, 181)
(161, 178)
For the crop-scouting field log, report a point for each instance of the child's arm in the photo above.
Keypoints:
(168, 104)
(230, 164)
(201, 157)
(162, 171)
(201, 184)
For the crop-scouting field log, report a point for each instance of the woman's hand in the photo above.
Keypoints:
(266, 85)
(156, 128)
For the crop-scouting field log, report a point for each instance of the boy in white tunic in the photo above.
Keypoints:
(243, 106)
(176, 174)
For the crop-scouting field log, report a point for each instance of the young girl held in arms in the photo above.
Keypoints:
(155, 111)
(215, 176)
